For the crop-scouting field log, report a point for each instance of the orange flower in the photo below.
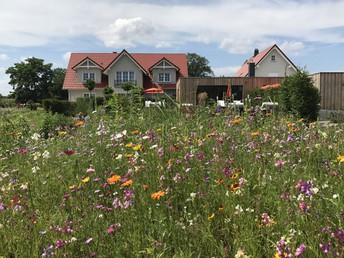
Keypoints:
(157, 195)
(127, 183)
(218, 182)
(135, 132)
(145, 186)
(236, 121)
(255, 134)
(80, 123)
(112, 180)
(234, 187)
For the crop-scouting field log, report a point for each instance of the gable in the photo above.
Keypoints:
(87, 64)
(124, 55)
(265, 58)
(164, 64)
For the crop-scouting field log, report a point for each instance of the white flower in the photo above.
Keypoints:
(35, 169)
(119, 156)
(73, 239)
(35, 136)
(335, 196)
(46, 154)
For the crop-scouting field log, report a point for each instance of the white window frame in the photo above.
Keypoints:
(130, 76)
(164, 77)
(87, 95)
(86, 76)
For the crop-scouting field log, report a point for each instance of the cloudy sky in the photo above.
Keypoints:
(226, 32)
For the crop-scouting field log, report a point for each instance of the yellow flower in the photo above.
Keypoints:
(137, 147)
(233, 176)
(129, 145)
(62, 133)
(157, 195)
(221, 208)
(255, 134)
(340, 159)
(127, 183)
(85, 180)
(211, 216)
(112, 180)
(72, 187)
(128, 155)
(234, 187)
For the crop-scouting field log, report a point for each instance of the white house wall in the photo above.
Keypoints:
(171, 71)
(278, 68)
(79, 93)
(122, 65)
(96, 71)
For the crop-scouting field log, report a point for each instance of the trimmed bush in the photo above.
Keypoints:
(64, 107)
(299, 96)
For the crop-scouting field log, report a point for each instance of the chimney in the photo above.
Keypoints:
(251, 69)
(256, 52)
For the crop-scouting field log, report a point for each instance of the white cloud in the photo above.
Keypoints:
(292, 47)
(4, 57)
(126, 33)
(237, 46)
(225, 71)
(66, 56)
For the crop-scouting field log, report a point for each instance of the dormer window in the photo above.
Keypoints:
(273, 58)
(164, 77)
(86, 76)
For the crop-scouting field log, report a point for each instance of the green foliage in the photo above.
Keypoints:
(56, 91)
(90, 84)
(108, 91)
(299, 96)
(7, 102)
(84, 105)
(31, 80)
(127, 86)
(198, 66)
(52, 123)
(64, 107)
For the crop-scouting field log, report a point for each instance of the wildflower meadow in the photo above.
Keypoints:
(170, 183)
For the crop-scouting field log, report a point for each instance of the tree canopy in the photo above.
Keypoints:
(198, 66)
(32, 80)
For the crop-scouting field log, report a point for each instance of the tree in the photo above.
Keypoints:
(299, 96)
(31, 80)
(198, 66)
(127, 86)
(90, 84)
(56, 88)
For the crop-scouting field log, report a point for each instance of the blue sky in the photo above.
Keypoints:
(226, 32)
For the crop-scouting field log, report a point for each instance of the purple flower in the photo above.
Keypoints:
(2, 207)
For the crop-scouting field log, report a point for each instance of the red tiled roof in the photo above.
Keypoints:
(145, 60)
(243, 71)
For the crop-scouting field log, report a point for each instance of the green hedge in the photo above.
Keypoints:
(64, 107)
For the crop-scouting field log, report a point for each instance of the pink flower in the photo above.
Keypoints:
(90, 170)
(300, 250)
(88, 240)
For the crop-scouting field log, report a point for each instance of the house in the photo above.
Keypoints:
(112, 69)
(271, 62)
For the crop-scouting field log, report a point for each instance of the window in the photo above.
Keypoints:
(273, 58)
(125, 76)
(164, 77)
(86, 76)
(87, 95)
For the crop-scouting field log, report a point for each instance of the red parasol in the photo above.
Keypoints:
(154, 91)
(229, 91)
(270, 86)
